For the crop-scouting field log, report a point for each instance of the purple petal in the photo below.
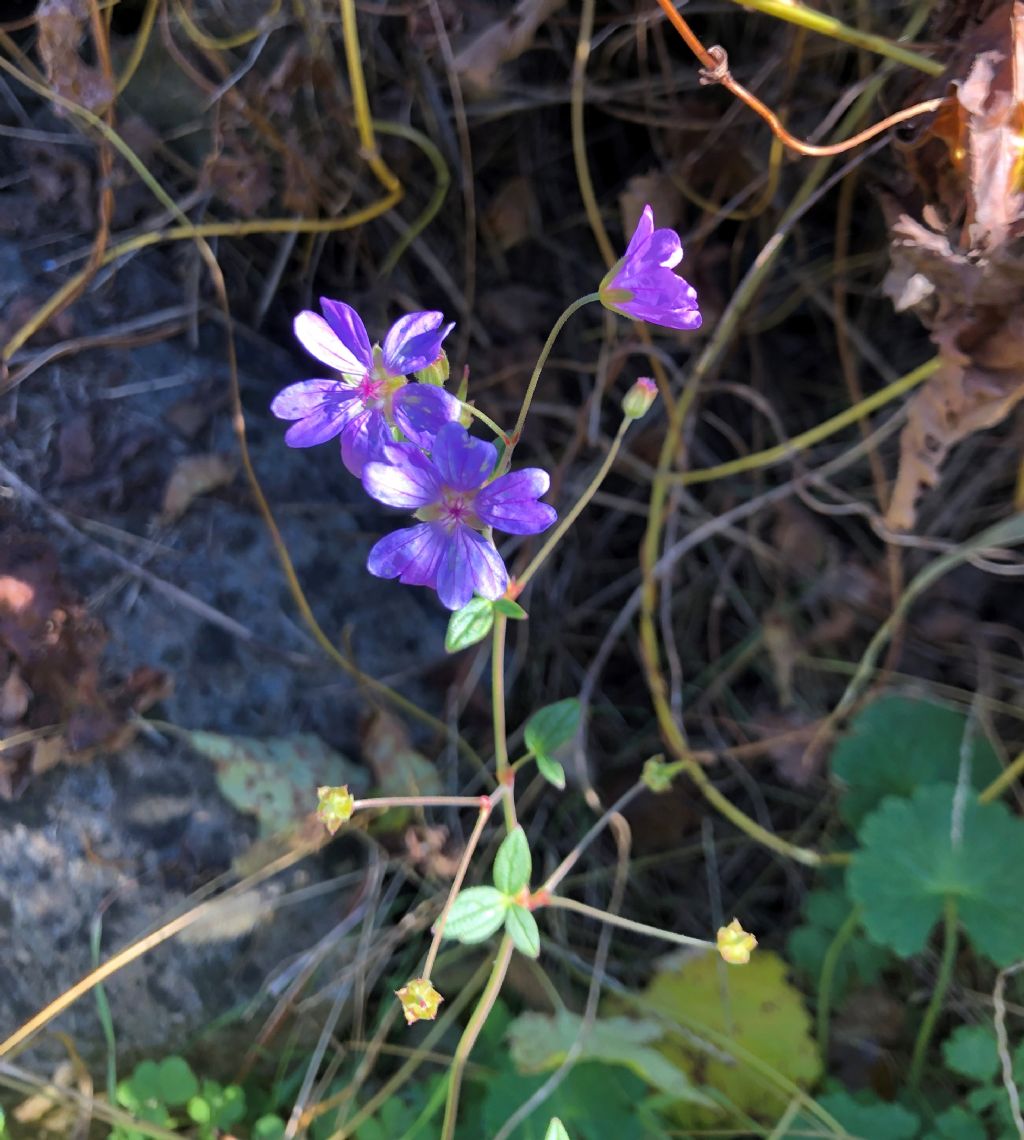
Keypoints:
(319, 340)
(323, 423)
(306, 397)
(413, 342)
(346, 325)
(470, 565)
(644, 229)
(411, 555)
(364, 439)
(462, 461)
(421, 410)
(407, 480)
(510, 502)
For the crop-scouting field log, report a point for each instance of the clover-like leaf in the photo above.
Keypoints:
(512, 864)
(521, 927)
(475, 915)
(897, 744)
(918, 853)
(469, 625)
(971, 1051)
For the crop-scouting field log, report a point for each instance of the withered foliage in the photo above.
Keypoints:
(50, 685)
(958, 260)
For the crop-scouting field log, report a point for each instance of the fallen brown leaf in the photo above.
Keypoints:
(478, 63)
(193, 476)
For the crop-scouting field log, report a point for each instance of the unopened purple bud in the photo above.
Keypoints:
(638, 400)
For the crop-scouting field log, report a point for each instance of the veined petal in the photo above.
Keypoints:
(462, 461)
(664, 249)
(322, 424)
(413, 342)
(346, 324)
(510, 502)
(306, 397)
(421, 410)
(407, 480)
(470, 565)
(364, 439)
(411, 554)
(320, 340)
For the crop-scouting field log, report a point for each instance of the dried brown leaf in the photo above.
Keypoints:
(193, 476)
(478, 63)
(61, 25)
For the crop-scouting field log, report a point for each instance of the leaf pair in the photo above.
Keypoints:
(479, 912)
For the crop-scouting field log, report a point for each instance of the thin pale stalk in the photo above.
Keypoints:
(628, 924)
(942, 980)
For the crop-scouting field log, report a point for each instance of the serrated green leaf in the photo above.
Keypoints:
(510, 609)
(897, 744)
(476, 914)
(552, 726)
(861, 960)
(915, 855)
(556, 1131)
(865, 1116)
(971, 1051)
(469, 625)
(521, 927)
(957, 1124)
(512, 864)
(551, 770)
(540, 1042)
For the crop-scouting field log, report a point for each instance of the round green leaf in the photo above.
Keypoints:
(512, 864)
(469, 625)
(176, 1081)
(552, 726)
(521, 927)
(897, 744)
(476, 914)
(971, 1051)
(916, 854)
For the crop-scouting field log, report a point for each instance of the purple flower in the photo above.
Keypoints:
(641, 283)
(371, 396)
(451, 495)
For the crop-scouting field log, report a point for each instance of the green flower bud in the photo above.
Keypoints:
(638, 400)
(335, 806)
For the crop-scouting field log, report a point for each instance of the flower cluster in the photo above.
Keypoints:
(400, 430)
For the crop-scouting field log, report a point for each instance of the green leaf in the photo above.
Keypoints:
(268, 1127)
(915, 855)
(957, 1124)
(596, 1101)
(896, 744)
(552, 726)
(273, 779)
(824, 912)
(512, 864)
(551, 770)
(510, 609)
(176, 1081)
(756, 1009)
(971, 1051)
(556, 1131)
(469, 625)
(868, 1117)
(521, 927)
(476, 914)
(539, 1042)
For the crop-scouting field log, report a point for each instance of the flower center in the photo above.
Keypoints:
(371, 391)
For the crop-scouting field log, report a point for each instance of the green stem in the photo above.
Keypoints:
(545, 352)
(609, 919)
(558, 533)
(460, 874)
(942, 980)
(485, 419)
(472, 1031)
(828, 972)
(1003, 781)
(502, 769)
